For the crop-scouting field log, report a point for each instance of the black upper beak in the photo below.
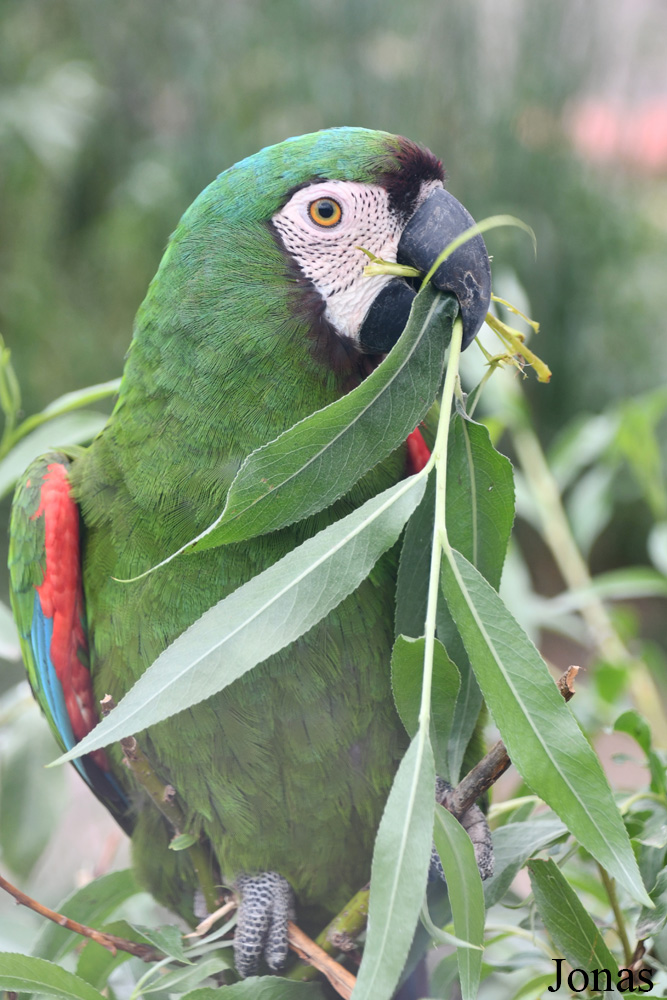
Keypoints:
(466, 273)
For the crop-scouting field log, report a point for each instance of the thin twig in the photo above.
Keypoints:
(111, 942)
(205, 925)
(610, 888)
(339, 935)
(341, 980)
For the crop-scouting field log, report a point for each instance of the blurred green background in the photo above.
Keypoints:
(114, 116)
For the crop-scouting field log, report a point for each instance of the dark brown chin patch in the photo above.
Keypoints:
(340, 354)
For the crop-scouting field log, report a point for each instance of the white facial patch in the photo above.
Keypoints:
(328, 254)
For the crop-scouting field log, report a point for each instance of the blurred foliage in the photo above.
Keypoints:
(112, 121)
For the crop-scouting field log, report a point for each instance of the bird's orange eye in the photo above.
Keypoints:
(325, 212)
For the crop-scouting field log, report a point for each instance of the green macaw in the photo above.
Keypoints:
(259, 314)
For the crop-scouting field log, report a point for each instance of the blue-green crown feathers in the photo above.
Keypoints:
(258, 185)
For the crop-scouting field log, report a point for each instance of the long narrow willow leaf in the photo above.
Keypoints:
(61, 431)
(25, 974)
(261, 617)
(465, 895)
(568, 922)
(319, 459)
(398, 880)
(542, 737)
(259, 988)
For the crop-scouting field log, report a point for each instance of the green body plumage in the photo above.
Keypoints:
(259, 315)
(302, 751)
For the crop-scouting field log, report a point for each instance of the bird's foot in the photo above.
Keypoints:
(267, 904)
(474, 823)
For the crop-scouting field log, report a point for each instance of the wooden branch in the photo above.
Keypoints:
(338, 936)
(111, 942)
(341, 980)
(164, 797)
(480, 779)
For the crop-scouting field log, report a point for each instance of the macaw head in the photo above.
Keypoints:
(383, 194)
(318, 201)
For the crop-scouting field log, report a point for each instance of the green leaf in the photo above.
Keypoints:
(590, 506)
(10, 390)
(611, 680)
(512, 846)
(444, 976)
(407, 663)
(398, 880)
(9, 638)
(535, 987)
(260, 988)
(182, 841)
(178, 980)
(414, 567)
(479, 514)
(543, 739)
(465, 895)
(480, 498)
(469, 701)
(635, 725)
(582, 443)
(261, 617)
(617, 585)
(90, 905)
(96, 963)
(79, 398)
(650, 922)
(25, 973)
(639, 442)
(410, 616)
(567, 920)
(439, 936)
(166, 938)
(656, 545)
(319, 459)
(61, 432)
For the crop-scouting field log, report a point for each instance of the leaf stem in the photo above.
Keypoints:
(439, 460)
(610, 889)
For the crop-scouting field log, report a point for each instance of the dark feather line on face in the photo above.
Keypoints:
(340, 354)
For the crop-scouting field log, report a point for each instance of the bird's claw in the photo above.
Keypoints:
(265, 907)
(474, 823)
